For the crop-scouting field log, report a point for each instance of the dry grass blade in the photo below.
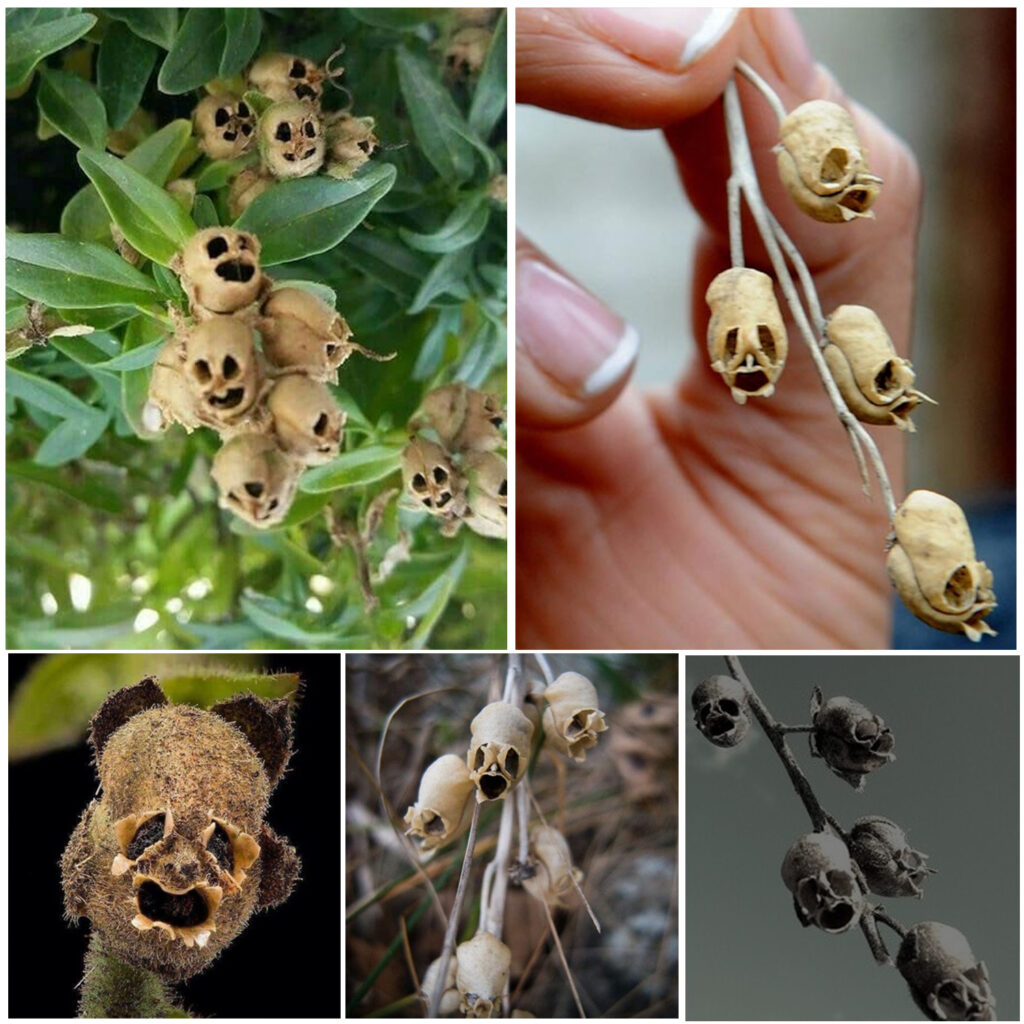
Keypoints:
(565, 963)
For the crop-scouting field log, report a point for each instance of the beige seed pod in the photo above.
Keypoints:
(171, 398)
(223, 368)
(307, 419)
(291, 140)
(499, 749)
(486, 475)
(256, 480)
(442, 809)
(822, 164)
(467, 50)
(350, 143)
(481, 974)
(283, 76)
(224, 125)
(450, 998)
(555, 875)
(932, 565)
(245, 187)
(572, 720)
(746, 337)
(874, 381)
(431, 480)
(465, 420)
(220, 270)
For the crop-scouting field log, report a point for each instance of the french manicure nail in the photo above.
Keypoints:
(571, 336)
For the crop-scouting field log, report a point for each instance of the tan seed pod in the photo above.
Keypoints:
(442, 808)
(932, 565)
(555, 875)
(572, 720)
(476, 15)
(291, 140)
(822, 164)
(486, 475)
(450, 997)
(223, 368)
(171, 397)
(245, 187)
(467, 50)
(225, 126)
(465, 420)
(350, 143)
(499, 749)
(430, 479)
(747, 339)
(256, 480)
(481, 974)
(307, 419)
(283, 76)
(220, 270)
(874, 381)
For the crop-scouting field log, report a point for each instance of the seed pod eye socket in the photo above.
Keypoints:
(254, 488)
(440, 474)
(730, 342)
(201, 368)
(222, 117)
(220, 846)
(512, 763)
(283, 132)
(304, 92)
(298, 70)
(149, 832)
(230, 367)
(243, 110)
(309, 130)
(419, 482)
(216, 246)
(767, 340)
(321, 424)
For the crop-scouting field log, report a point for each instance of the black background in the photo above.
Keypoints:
(287, 962)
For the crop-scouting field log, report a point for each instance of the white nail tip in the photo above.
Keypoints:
(615, 366)
(712, 28)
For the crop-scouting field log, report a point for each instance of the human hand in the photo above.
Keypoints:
(676, 518)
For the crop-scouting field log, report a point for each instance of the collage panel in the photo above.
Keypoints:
(176, 819)
(844, 812)
(512, 835)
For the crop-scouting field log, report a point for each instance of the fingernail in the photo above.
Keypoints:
(572, 337)
(671, 38)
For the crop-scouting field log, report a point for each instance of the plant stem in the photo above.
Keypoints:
(549, 676)
(882, 916)
(869, 926)
(111, 988)
(762, 87)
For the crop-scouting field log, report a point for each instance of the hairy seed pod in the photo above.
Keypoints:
(224, 125)
(220, 270)
(307, 419)
(481, 973)
(486, 476)
(945, 979)
(874, 381)
(223, 369)
(450, 997)
(283, 76)
(932, 565)
(467, 51)
(572, 721)
(171, 397)
(256, 479)
(350, 143)
(430, 479)
(720, 710)
(889, 864)
(499, 749)
(246, 186)
(850, 739)
(291, 139)
(555, 874)
(819, 872)
(465, 420)
(822, 164)
(746, 337)
(442, 808)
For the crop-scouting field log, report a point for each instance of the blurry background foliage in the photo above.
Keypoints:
(113, 536)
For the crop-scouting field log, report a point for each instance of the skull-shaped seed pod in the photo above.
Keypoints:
(307, 419)
(572, 720)
(220, 270)
(431, 480)
(223, 369)
(465, 54)
(849, 738)
(245, 187)
(820, 873)
(499, 749)
(822, 164)
(481, 974)
(889, 864)
(255, 478)
(283, 76)
(486, 476)
(225, 126)
(450, 997)
(466, 420)
(946, 980)
(554, 872)
(350, 143)
(746, 337)
(933, 567)
(874, 381)
(291, 139)
(720, 710)
(171, 397)
(443, 808)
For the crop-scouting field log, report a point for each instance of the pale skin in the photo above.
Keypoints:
(676, 518)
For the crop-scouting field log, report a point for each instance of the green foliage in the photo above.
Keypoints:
(412, 251)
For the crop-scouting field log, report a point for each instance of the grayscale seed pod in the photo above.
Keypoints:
(820, 873)
(891, 867)
(720, 710)
(850, 739)
(572, 720)
(499, 750)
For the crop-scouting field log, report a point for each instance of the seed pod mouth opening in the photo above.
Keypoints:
(752, 381)
(492, 786)
(858, 200)
(235, 270)
(836, 166)
(837, 918)
(229, 400)
(960, 590)
(181, 910)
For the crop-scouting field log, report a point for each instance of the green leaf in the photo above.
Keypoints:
(157, 24)
(148, 217)
(429, 606)
(211, 42)
(324, 292)
(76, 630)
(135, 359)
(63, 273)
(243, 29)
(87, 491)
(489, 97)
(395, 18)
(73, 107)
(362, 466)
(311, 215)
(447, 276)
(72, 438)
(431, 354)
(434, 118)
(28, 44)
(217, 173)
(46, 395)
(277, 619)
(123, 67)
(204, 213)
(466, 223)
(140, 335)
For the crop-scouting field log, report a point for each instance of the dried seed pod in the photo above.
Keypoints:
(466, 52)
(171, 397)
(822, 164)
(307, 419)
(499, 749)
(430, 479)
(465, 419)
(220, 269)
(256, 480)
(245, 187)
(225, 126)
(481, 973)
(283, 76)
(291, 139)
(555, 874)
(746, 337)
(933, 567)
(945, 978)
(851, 740)
(486, 476)
(442, 808)
(572, 720)
(450, 998)
(874, 381)
(475, 15)
(223, 368)
(720, 710)
(819, 872)
(889, 864)
(350, 143)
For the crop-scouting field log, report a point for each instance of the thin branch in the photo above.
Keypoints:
(869, 927)
(549, 676)
(763, 88)
(806, 281)
(732, 190)
(565, 963)
(523, 815)
(882, 916)
(795, 728)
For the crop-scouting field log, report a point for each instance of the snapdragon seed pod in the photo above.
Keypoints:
(481, 973)
(284, 76)
(223, 368)
(849, 738)
(225, 126)
(720, 710)
(256, 479)
(307, 420)
(891, 867)
(486, 494)
(499, 749)
(819, 872)
(555, 873)
(245, 187)
(220, 269)
(746, 337)
(572, 720)
(450, 996)
(466, 420)
(431, 480)
(171, 398)
(350, 143)
(467, 50)
(291, 140)
(442, 806)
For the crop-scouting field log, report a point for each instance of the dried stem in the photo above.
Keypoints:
(565, 963)
(732, 191)
(549, 676)
(882, 916)
(763, 88)
(869, 926)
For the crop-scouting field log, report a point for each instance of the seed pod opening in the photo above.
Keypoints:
(307, 419)
(499, 750)
(720, 710)
(284, 76)
(554, 872)
(431, 480)
(220, 269)
(225, 126)
(481, 973)
(932, 565)
(442, 809)
(255, 479)
(291, 140)
(223, 368)
(746, 337)
(572, 720)
(819, 872)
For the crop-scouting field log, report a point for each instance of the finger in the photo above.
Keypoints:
(631, 67)
(573, 354)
